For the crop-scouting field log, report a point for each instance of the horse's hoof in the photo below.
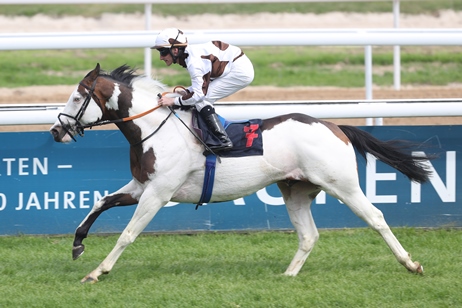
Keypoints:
(77, 251)
(419, 269)
(89, 279)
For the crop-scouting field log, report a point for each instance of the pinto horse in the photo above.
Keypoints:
(302, 154)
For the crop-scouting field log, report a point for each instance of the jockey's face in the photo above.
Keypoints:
(166, 56)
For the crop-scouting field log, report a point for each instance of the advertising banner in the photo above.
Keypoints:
(48, 188)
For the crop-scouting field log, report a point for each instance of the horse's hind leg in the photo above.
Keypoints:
(298, 198)
(363, 208)
(124, 196)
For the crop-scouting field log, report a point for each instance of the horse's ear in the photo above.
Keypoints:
(94, 73)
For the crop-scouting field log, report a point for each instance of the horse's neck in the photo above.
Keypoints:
(145, 97)
(160, 124)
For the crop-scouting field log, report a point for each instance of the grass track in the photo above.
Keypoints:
(347, 268)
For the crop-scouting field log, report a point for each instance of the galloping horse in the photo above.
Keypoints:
(302, 154)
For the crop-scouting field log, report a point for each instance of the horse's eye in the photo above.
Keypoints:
(76, 99)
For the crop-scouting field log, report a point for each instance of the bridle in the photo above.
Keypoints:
(80, 128)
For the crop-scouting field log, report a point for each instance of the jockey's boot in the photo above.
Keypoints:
(215, 126)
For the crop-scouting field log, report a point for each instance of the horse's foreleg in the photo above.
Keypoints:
(298, 200)
(146, 210)
(361, 206)
(124, 196)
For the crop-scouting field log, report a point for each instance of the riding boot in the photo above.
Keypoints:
(215, 126)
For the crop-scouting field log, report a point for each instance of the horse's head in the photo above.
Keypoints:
(86, 106)
(102, 98)
(81, 108)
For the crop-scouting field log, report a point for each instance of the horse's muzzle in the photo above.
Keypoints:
(55, 132)
(61, 134)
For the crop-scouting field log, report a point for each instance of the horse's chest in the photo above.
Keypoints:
(142, 164)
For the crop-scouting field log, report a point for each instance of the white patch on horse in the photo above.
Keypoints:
(93, 113)
(113, 101)
(146, 100)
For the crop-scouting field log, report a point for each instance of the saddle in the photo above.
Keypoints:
(245, 135)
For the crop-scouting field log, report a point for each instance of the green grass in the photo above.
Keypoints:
(94, 10)
(347, 268)
(60, 67)
(277, 66)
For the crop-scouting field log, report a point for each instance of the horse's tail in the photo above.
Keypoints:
(390, 152)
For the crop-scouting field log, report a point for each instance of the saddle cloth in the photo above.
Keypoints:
(245, 135)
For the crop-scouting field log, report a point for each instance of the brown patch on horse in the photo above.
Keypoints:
(118, 200)
(130, 130)
(337, 132)
(102, 92)
(299, 117)
(142, 163)
(303, 118)
(125, 95)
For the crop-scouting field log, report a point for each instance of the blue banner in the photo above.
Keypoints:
(48, 188)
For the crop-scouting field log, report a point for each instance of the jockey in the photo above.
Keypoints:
(217, 70)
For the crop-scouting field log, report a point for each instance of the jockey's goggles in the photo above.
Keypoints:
(164, 51)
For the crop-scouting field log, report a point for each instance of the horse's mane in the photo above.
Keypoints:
(128, 76)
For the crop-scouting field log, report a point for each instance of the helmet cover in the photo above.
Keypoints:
(170, 37)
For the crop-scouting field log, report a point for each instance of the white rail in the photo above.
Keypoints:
(19, 114)
(246, 37)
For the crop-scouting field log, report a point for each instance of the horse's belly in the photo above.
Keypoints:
(234, 178)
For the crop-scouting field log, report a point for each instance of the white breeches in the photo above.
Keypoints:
(239, 77)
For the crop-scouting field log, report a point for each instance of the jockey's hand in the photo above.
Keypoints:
(166, 101)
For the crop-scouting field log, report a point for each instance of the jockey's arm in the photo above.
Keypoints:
(195, 92)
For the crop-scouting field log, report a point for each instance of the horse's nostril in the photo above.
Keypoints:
(54, 132)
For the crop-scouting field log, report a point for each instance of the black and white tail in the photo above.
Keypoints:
(394, 153)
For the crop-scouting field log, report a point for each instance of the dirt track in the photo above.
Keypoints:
(60, 94)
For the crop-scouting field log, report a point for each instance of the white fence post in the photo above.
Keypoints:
(147, 50)
(396, 50)
(368, 77)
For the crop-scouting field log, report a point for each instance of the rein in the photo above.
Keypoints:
(104, 122)
(152, 134)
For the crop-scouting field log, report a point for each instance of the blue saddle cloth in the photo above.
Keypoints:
(245, 135)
